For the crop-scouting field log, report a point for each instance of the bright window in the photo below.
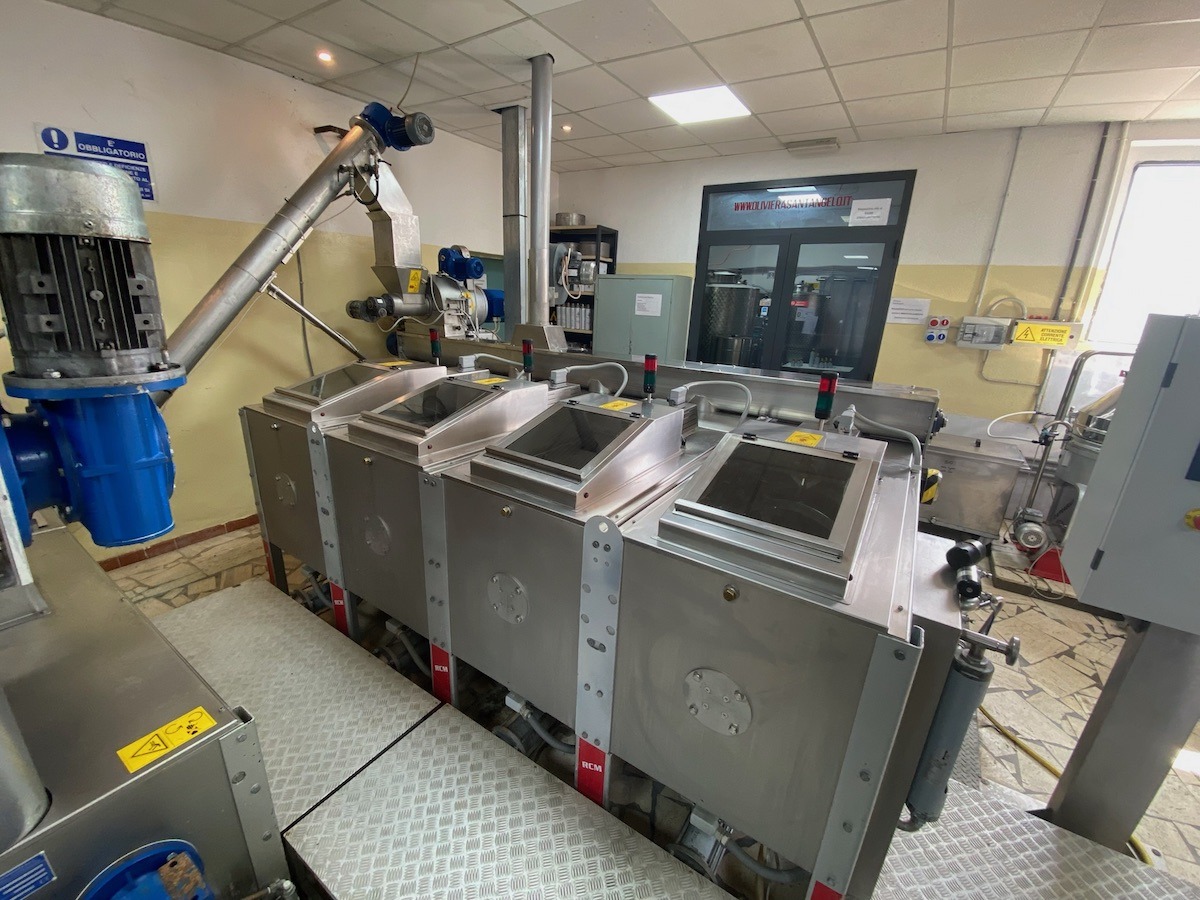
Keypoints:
(1153, 264)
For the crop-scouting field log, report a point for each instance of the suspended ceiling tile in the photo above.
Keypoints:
(143, 21)
(786, 91)
(1016, 118)
(580, 128)
(678, 153)
(460, 114)
(754, 145)
(589, 88)
(346, 91)
(457, 73)
(478, 139)
(267, 63)
(1191, 91)
(1003, 96)
(366, 30)
(580, 165)
(537, 7)
(813, 118)
(1142, 47)
(451, 20)
(1178, 109)
(1102, 112)
(737, 129)
(777, 50)
(639, 158)
(703, 19)
(889, 29)
(670, 138)
(613, 28)
(1015, 58)
(844, 136)
(489, 132)
(608, 145)
(1123, 87)
(299, 49)
(900, 129)
(821, 7)
(91, 6)
(509, 95)
(281, 9)
(509, 50)
(664, 72)
(388, 85)
(562, 151)
(884, 110)
(992, 20)
(1132, 12)
(895, 75)
(217, 19)
(632, 115)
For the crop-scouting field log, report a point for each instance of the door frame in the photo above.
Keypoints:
(789, 241)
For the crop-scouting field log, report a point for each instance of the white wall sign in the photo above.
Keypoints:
(870, 212)
(908, 311)
(647, 304)
(131, 157)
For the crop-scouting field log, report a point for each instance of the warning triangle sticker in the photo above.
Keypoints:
(1027, 334)
(154, 745)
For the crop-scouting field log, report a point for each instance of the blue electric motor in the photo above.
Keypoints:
(84, 321)
(458, 265)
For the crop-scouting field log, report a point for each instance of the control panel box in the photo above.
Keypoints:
(983, 332)
(1133, 542)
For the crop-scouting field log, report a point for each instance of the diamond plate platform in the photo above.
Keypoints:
(324, 706)
(983, 848)
(453, 812)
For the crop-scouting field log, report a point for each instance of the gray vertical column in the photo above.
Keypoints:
(514, 127)
(539, 190)
(23, 800)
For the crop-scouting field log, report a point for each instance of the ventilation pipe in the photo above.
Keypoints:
(539, 190)
(514, 131)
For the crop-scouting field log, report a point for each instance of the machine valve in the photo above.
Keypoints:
(977, 643)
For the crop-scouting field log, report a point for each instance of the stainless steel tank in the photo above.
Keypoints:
(730, 310)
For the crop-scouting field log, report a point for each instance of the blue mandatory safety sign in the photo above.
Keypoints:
(131, 157)
(24, 880)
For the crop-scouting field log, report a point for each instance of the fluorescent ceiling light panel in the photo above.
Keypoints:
(704, 105)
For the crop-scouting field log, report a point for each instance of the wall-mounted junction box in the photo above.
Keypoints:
(983, 332)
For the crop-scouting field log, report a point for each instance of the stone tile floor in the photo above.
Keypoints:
(1045, 698)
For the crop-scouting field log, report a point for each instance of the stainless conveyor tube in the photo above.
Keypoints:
(250, 271)
(539, 190)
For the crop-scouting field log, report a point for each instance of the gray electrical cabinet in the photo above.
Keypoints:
(640, 314)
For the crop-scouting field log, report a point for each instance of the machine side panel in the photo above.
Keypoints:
(283, 476)
(800, 667)
(522, 628)
(379, 529)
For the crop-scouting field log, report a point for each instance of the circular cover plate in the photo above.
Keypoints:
(716, 701)
(508, 598)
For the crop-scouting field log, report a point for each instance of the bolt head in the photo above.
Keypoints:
(738, 695)
(733, 729)
(864, 775)
(692, 708)
(697, 676)
(730, 593)
(847, 827)
(506, 511)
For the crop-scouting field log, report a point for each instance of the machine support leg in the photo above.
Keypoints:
(276, 570)
(345, 612)
(1144, 716)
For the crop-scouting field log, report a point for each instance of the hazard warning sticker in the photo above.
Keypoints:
(803, 438)
(162, 741)
(618, 405)
(1048, 334)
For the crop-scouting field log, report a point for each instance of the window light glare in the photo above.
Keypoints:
(325, 56)
(704, 105)
(800, 188)
(1188, 761)
(855, 256)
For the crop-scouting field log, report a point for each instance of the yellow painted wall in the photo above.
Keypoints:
(971, 382)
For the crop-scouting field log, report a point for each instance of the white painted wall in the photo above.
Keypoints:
(959, 192)
(227, 139)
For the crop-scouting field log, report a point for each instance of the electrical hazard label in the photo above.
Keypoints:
(414, 281)
(162, 741)
(491, 380)
(803, 438)
(396, 363)
(1047, 335)
(618, 405)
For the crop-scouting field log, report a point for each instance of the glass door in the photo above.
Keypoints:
(739, 288)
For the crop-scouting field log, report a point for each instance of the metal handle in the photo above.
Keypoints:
(980, 642)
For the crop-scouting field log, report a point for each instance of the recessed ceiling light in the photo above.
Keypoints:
(855, 256)
(704, 105)
(566, 129)
(325, 56)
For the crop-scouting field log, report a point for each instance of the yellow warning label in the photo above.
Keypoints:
(803, 438)
(396, 363)
(618, 405)
(491, 380)
(1049, 335)
(176, 733)
(414, 281)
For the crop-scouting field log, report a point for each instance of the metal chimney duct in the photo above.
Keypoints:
(539, 190)
(514, 130)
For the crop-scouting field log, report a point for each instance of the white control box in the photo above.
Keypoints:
(983, 332)
(1134, 541)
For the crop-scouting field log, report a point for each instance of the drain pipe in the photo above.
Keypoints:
(539, 190)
